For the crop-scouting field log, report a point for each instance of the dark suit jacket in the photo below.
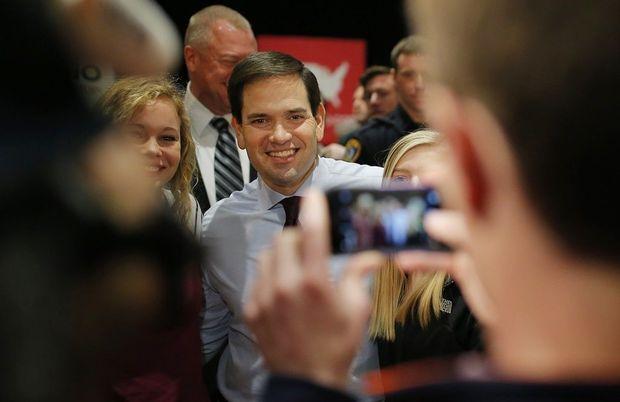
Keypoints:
(281, 389)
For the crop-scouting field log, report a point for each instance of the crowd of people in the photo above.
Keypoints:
(172, 242)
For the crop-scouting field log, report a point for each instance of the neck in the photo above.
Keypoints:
(577, 338)
(558, 313)
(413, 113)
(207, 101)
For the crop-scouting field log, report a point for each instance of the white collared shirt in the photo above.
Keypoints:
(234, 233)
(205, 139)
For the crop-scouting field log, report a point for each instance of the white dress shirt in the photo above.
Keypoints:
(234, 232)
(205, 139)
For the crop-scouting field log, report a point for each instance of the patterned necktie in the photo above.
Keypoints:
(228, 177)
(291, 209)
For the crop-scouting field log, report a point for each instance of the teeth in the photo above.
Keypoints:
(283, 154)
(152, 169)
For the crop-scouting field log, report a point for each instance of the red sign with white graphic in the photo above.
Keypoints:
(337, 64)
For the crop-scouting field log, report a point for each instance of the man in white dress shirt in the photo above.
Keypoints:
(216, 39)
(279, 119)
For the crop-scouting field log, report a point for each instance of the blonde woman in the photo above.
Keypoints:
(150, 112)
(165, 365)
(421, 314)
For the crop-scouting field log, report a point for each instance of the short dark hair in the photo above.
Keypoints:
(262, 65)
(371, 72)
(412, 44)
(554, 89)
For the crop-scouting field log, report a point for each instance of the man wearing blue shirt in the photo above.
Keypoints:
(526, 95)
(279, 119)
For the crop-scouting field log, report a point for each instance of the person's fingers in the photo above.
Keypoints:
(351, 286)
(448, 227)
(315, 234)
(286, 261)
(360, 265)
(417, 260)
(261, 291)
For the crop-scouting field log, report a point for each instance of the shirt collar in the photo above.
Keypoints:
(268, 198)
(199, 114)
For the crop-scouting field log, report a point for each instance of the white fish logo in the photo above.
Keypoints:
(330, 82)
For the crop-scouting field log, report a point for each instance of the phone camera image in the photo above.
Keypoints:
(386, 220)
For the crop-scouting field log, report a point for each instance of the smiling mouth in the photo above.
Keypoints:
(283, 154)
(154, 169)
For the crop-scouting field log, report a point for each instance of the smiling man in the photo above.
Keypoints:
(534, 230)
(279, 119)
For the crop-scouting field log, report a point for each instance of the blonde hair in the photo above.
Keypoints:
(396, 295)
(127, 97)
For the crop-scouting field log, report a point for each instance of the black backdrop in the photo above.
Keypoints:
(380, 23)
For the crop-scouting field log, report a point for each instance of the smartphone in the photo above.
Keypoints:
(388, 220)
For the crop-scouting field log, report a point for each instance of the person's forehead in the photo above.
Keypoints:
(410, 60)
(271, 92)
(421, 154)
(381, 79)
(160, 111)
(224, 35)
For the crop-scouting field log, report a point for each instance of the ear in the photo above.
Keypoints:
(446, 112)
(190, 55)
(475, 181)
(238, 133)
(320, 121)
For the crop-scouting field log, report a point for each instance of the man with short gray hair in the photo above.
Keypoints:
(216, 39)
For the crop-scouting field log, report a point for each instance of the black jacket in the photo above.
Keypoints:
(454, 331)
(370, 144)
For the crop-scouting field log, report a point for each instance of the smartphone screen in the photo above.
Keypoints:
(381, 219)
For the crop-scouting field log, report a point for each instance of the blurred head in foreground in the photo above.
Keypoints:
(533, 146)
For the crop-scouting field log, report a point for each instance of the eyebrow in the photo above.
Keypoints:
(297, 110)
(163, 129)
(291, 111)
(255, 115)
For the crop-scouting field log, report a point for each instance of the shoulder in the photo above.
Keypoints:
(169, 196)
(195, 216)
(372, 126)
(239, 202)
(372, 137)
(336, 173)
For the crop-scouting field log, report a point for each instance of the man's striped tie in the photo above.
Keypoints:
(228, 177)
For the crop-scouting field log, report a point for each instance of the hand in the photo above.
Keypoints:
(450, 228)
(305, 325)
(335, 151)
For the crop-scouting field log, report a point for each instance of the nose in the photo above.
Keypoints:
(374, 98)
(415, 181)
(419, 82)
(151, 147)
(280, 135)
